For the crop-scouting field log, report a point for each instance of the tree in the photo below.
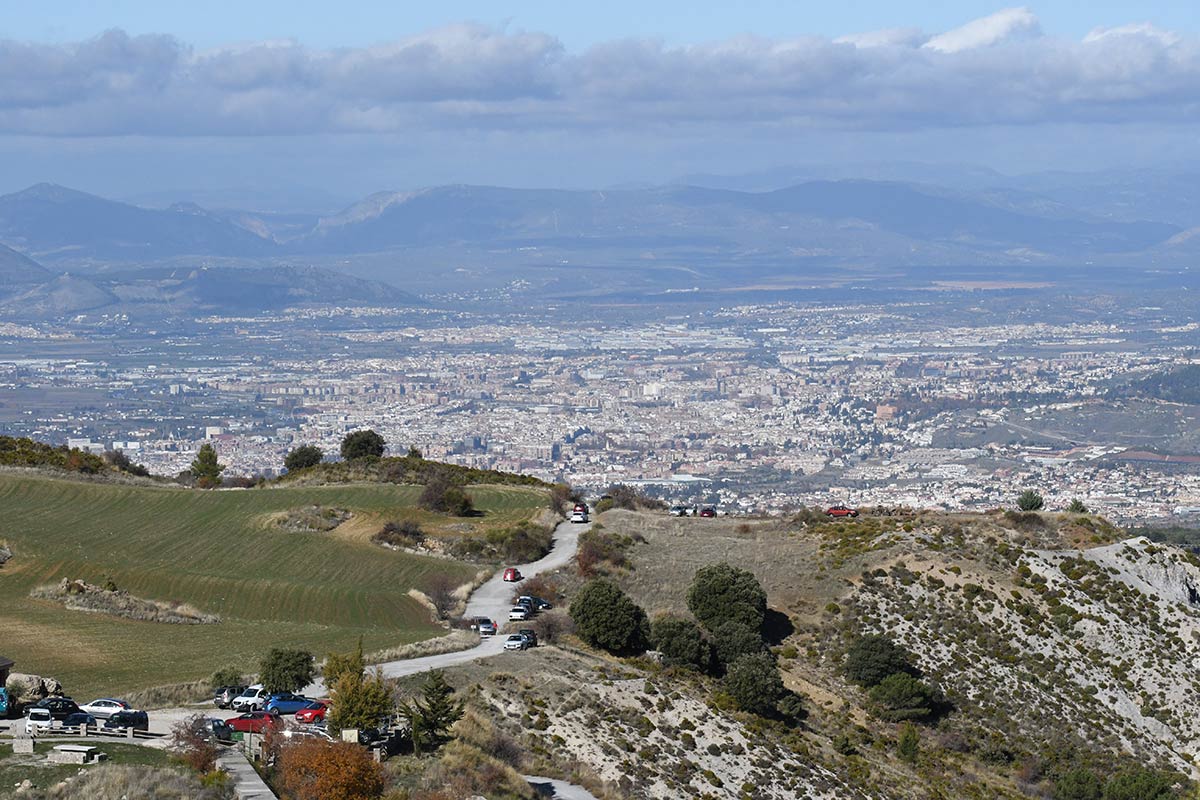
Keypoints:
(733, 639)
(1029, 500)
(226, 676)
(901, 697)
(191, 741)
(872, 658)
(607, 618)
(338, 664)
(314, 769)
(358, 700)
(681, 642)
(722, 593)
(1141, 784)
(362, 444)
(431, 715)
(205, 468)
(441, 594)
(1077, 507)
(286, 670)
(1077, 784)
(562, 495)
(303, 457)
(754, 683)
(908, 745)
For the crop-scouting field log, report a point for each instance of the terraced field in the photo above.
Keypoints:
(220, 552)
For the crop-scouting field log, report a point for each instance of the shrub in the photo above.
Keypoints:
(443, 496)
(1029, 500)
(527, 542)
(754, 683)
(722, 593)
(118, 460)
(872, 658)
(226, 676)
(405, 533)
(908, 745)
(629, 498)
(733, 639)
(358, 700)
(607, 618)
(319, 770)
(190, 742)
(681, 642)
(286, 670)
(1077, 784)
(1077, 507)
(339, 664)
(303, 457)
(1141, 784)
(362, 444)
(901, 697)
(551, 626)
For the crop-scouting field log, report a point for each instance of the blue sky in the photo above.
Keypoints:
(303, 103)
(326, 24)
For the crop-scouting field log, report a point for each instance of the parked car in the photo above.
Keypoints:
(59, 707)
(477, 621)
(708, 512)
(515, 641)
(218, 729)
(579, 516)
(487, 628)
(123, 720)
(518, 614)
(682, 511)
(512, 575)
(80, 718)
(253, 722)
(285, 703)
(308, 733)
(104, 708)
(841, 511)
(313, 712)
(223, 697)
(529, 635)
(533, 603)
(38, 721)
(254, 698)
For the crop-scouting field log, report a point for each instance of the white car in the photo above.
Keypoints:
(105, 707)
(518, 614)
(515, 642)
(579, 516)
(253, 699)
(39, 721)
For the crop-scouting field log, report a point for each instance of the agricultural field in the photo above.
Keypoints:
(225, 553)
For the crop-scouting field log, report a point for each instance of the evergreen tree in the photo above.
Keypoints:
(432, 714)
(205, 468)
(359, 700)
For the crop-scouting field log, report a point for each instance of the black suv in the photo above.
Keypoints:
(223, 697)
(60, 707)
(127, 719)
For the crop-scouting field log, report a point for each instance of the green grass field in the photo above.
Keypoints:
(220, 552)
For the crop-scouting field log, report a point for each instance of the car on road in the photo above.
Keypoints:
(579, 516)
(682, 511)
(708, 512)
(518, 614)
(223, 697)
(487, 628)
(285, 703)
(59, 707)
(254, 698)
(529, 635)
(581, 507)
(105, 707)
(512, 575)
(841, 511)
(313, 712)
(533, 603)
(253, 722)
(80, 718)
(515, 641)
(38, 721)
(123, 720)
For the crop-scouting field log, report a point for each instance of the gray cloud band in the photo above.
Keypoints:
(997, 70)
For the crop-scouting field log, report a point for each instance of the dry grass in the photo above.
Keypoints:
(171, 695)
(450, 643)
(83, 596)
(116, 781)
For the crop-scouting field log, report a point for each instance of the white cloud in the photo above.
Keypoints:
(888, 37)
(1140, 29)
(986, 31)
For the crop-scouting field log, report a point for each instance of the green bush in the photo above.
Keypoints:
(722, 593)
(908, 745)
(1141, 784)
(607, 618)
(754, 683)
(286, 670)
(732, 640)
(226, 676)
(900, 697)
(1077, 784)
(1077, 507)
(681, 642)
(303, 457)
(873, 657)
(1029, 500)
(362, 444)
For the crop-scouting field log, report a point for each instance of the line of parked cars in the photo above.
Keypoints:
(260, 710)
(105, 713)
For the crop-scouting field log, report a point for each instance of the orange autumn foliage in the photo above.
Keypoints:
(320, 770)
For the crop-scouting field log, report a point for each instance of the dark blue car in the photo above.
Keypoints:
(285, 703)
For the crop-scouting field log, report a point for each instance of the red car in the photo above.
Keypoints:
(313, 712)
(708, 512)
(841, 511)
(512, 575)
(253, 722)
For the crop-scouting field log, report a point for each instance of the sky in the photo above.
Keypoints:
(303, 104)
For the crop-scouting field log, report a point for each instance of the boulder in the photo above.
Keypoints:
(5, 553)
(32, 688)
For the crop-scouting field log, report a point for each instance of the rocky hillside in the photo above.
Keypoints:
(1063, 650)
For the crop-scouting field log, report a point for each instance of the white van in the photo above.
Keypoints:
(253, 699)
(39, 721)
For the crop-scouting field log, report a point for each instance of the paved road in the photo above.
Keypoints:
(558, 790)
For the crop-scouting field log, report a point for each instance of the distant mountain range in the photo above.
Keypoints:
(718, 235)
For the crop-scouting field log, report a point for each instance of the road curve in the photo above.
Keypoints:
(556, 789)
